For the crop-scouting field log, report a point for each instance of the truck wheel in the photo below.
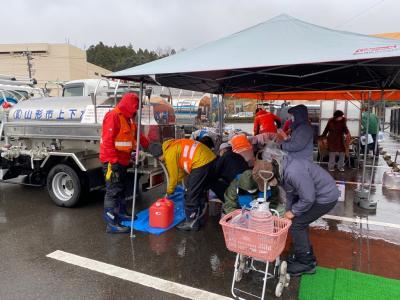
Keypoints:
(64, 185)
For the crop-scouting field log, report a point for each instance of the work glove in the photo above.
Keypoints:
(113, 173)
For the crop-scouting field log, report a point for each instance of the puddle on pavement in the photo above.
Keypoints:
(369, 249)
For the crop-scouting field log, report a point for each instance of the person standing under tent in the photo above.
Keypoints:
(186, 156)
(118, 140)
(265, 122)
(335, 131)
(301, 142)
(373, 129)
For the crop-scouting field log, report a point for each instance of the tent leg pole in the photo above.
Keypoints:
(374, 159)
(135, 183)
(221, 114)
(366, 141)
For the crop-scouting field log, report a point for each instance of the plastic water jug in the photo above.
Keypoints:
(161, 213)
(261, 218)
(242, 219)
(391, 180)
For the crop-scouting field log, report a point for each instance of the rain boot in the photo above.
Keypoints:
(292, 257)
(303, 264)
(123, 213)
(112, 220)
(192, 221)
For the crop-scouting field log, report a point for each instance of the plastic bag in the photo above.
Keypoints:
(380, 137)
(271, 151)
(370, 139)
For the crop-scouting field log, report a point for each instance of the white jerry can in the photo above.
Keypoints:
(342, 189)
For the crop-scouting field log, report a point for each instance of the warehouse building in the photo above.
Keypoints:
(47, 63)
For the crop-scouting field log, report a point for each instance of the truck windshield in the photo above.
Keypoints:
(73, 90)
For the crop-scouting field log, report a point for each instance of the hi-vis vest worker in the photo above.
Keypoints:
(125, 140)
(182, 156)
(189, 149)
(118, 138)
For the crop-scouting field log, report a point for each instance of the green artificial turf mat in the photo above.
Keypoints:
(318, 286)
(359, 286)
(340, 284)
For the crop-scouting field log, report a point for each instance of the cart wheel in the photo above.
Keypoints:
(279, 289)
(283, 268)
(287, 280)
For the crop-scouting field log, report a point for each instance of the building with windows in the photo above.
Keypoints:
(47, 63)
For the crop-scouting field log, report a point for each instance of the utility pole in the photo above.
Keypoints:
(29, 57)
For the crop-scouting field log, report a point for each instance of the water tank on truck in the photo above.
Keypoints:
(54, 141)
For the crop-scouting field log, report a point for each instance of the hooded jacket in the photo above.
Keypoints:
(172, 150)
(301, 142)
(229, 165)
(111, 126)
(306, 183)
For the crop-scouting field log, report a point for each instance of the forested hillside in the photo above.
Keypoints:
(117, 58)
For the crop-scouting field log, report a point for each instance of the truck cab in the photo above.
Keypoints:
(85, 87)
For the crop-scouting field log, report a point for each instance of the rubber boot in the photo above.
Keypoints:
(112, 220)
(292, 257)
(191, 223)
(303, 264)
(123, 214)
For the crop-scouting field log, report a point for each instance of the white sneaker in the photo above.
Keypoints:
(331, 170)
(341, 169)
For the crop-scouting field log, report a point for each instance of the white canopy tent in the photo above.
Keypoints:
(283, 54)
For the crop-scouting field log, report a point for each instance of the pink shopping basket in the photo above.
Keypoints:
(257, 244)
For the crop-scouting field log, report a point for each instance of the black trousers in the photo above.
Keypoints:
(199, 181)
(300, 226)
(372, 146)
(115, 191)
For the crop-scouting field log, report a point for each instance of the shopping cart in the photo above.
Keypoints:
(251, 246)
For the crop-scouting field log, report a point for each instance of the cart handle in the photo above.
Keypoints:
(266, 175)
(274, 212)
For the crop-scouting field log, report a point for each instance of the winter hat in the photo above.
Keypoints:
(262, 170)
(155, 149)
(224, 146)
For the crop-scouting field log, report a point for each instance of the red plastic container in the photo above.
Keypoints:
(161, 213)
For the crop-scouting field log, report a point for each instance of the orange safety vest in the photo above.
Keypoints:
(189, 148)
(125, 141)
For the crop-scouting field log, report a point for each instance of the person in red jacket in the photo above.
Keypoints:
(118, 140)
(265, 122)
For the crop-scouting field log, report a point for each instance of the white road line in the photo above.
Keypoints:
(135, 277)
(363, 221)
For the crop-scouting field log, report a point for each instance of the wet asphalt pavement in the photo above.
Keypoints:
(31, 227)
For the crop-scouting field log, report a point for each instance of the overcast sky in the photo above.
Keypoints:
(178, 23)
